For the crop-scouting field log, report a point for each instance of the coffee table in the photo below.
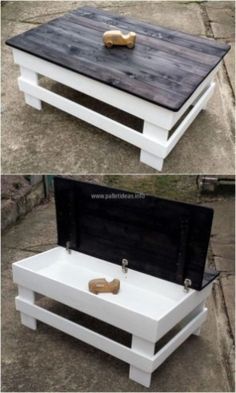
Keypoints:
(166, 80)
(163, 285)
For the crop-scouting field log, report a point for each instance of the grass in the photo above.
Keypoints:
(182, 188)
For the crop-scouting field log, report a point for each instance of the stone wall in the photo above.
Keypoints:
(19, 196)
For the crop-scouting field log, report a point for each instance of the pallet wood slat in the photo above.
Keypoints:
(100, 121)
(86, 335)
(133, 357)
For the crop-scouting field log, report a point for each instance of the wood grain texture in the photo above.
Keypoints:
(159, 237)
(165, 67)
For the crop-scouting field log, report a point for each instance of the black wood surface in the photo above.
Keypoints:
(165, 67)
(159, 237)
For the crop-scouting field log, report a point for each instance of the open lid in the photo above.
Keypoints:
(163, 238)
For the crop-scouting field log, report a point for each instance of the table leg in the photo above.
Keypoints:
(31, 77)
(158, 134)
(200, 95)
(143, 347)
(29, 296)
(198, 310)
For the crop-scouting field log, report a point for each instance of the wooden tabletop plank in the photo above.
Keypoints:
(184, 39)
(154, 71)
(165, 67)
(188, 65)
(146, 44)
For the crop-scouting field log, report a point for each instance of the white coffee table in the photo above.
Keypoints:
(166, 79)
(146, 306)
(163, 282)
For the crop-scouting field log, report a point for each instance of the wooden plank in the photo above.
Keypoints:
(147, 231)
(145, 42)
(144, 347)
(152, 71)
(118, 79)
(122, 75)
(104, 123)
(189, 118)
(108, 94)
(184, 39)
(84, 334)
(179, 338)
(133, 320)
(164, 68)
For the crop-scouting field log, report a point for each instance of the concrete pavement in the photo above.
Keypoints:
(47, 360)
(51, 141)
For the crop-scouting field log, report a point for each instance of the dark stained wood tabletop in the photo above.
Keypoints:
(165, 67)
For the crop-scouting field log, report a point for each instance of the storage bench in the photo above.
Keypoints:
(164, 284)
(166, 80)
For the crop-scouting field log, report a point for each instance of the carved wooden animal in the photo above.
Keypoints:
(116, 38)
(101, 285)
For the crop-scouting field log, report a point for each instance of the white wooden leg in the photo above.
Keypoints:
(140, 376)
(197, 332)
(31, 77)
(160, 135)
(204, 105)
(29, 296)
(183, 126)
(146, 348)
(199, 309)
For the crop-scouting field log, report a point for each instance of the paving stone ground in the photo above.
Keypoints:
(47, 360)
(51, 141)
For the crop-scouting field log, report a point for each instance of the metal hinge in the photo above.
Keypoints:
(124, 265)
(68, 247)
(187, 284)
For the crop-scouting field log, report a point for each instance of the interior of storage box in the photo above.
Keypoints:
(139, 292)
(158, 237)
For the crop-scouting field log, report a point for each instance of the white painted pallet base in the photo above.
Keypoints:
(141, 356)
(153, 141)
(64, 277)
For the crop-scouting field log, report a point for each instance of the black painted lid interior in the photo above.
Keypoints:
(163, 238)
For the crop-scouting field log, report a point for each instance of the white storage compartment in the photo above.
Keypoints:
(146, 305)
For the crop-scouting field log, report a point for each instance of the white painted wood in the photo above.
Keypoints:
(154, 148)
(28, 296)
(158, 134)
(189, 118)
(146, 306)
(148, 312)
(198, 309)
(113, 127)
(65, 279)
(142, 347)
(140, 376)
(179, 338)
(31, 77)
(112, 96)
(151, 160)
(197, 332)
(197, 99)
(28, 321)
(153, 142)
(86, 335)
(117, 98)
(186, 309)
